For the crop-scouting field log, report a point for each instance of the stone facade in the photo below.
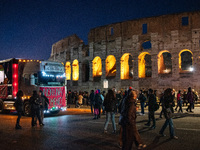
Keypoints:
(174, 33)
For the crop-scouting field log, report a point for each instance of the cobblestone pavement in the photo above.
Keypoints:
(75, 130)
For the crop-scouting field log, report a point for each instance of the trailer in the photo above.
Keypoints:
(29, 75)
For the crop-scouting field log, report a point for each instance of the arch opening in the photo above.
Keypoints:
(110, 66)
(68, 70)
(144, 65)
(85, 71)
(75, 67)
(126, 66)
(164, 62)
(97, 67)
(186, 61)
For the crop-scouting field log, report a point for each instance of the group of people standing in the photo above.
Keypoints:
(38, 103)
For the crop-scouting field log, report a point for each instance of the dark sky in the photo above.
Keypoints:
(28, 28)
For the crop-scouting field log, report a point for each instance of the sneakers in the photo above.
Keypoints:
(162, 134)
(174, 137)
(41, 124)
(153, 127)
(141, 146)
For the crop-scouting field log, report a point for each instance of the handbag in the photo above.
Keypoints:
(168, 113)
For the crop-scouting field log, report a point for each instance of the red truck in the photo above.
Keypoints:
(28, 75)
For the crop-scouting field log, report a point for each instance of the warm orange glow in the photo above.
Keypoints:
(75, 67)
(97, 67)
(161, 65)
(68, 70)
(125, 66)
(141, 64)
(110, 66)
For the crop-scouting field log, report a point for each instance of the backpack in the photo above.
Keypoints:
(156, 107)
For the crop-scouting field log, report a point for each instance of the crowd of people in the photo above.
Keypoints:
(126, 103)
(38, 103)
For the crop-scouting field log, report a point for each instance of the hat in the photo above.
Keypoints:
(130, 88)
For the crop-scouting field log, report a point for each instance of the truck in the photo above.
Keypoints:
(29, 75)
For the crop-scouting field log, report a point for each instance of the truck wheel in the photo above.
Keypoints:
(27, 109)
(1, 106)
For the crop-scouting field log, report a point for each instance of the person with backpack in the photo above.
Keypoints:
(18, 105)
(110, 108)
(142, 100)
(130, 133)
(168, 111)
(35, 108)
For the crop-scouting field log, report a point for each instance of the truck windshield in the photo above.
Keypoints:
(51, 79)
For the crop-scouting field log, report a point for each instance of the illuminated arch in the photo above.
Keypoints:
(126, 67)
(181, 67)
(75, 67)
(97, 67)
(162, 67)
(68, 70)
(142, 66)
(110, 66)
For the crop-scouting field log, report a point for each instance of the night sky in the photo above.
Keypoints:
(28, 28)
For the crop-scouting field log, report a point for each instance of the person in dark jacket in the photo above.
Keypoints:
(110, 108)
(97, 103)
(151, 107)
(19, 109)
(142, 100)
(69, 98)
(130, 132)
(168, 110)
(35, 108)
(190, 98)
(91, 99)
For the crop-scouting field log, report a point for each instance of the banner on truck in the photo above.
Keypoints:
(56, 96)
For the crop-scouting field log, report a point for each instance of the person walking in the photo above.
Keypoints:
(35, 108)
(190, 98)
(97, 103)
(179, 102)
(91, 99)
(128, 122)
(18, 105)
(110, 108)
(168, 111)
(151, 107)
(142, 100)
(43, 100)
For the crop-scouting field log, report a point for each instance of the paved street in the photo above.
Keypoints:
(75, 130)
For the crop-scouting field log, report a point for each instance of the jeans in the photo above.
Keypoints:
(142, 107)
(151, 117)
(171, 127)
(19, 116)
(108, 116)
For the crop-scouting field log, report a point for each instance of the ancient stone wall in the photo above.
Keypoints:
(174, 33)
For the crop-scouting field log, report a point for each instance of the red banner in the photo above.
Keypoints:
(56, 96)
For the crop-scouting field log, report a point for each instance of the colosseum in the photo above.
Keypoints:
(156, 52)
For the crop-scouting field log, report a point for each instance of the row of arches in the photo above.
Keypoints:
(126, 65)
